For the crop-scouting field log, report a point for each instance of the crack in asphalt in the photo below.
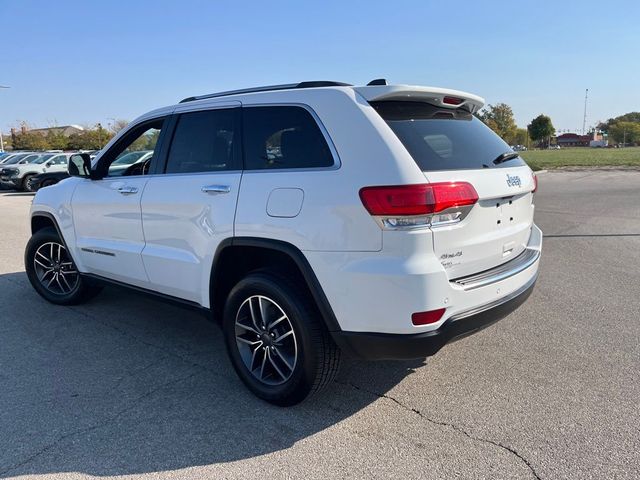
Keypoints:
(95, 426)
(136, 371)
(449, 425)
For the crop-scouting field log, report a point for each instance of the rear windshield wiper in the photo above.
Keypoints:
(503, 157)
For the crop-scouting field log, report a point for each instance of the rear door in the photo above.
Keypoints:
(189, 206)
(106, 213)
(454, 146)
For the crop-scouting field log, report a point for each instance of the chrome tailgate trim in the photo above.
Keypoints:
(523, 261)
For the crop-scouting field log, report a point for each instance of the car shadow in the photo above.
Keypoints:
(11, 193)
(126, 384)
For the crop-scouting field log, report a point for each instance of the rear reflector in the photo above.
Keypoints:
(425, 318)
(452, 100)
(421, 199)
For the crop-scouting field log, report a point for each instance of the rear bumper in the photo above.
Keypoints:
(379, 346)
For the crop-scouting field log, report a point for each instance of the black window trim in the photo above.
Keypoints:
(337, 163)
(102, 167)
(175, 116)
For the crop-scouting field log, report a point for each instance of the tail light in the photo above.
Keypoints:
(407, 206)
(535, 183)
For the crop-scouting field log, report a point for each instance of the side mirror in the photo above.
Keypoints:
(80, 165)
(48, 164)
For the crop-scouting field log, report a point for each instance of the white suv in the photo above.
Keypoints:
(18, 175)
(383, 220)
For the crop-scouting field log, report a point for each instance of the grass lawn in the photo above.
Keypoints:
(583, 157)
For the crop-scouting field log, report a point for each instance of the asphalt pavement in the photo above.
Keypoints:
(128, 386)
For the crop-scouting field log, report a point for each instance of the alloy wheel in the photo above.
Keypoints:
(54, 269)
(266, 340)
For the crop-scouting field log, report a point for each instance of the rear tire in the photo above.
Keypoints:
(51, 270)
(276, 340)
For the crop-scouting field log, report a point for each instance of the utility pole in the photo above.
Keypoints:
(584, 119)
(1, 141)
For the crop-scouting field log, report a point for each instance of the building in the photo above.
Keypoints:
(575, 140)
(66, 130)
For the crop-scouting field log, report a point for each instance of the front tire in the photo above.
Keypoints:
(276, 340)
(26, 184)
(51, 270)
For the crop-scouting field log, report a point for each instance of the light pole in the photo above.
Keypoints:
(99, 127)
(1, 141)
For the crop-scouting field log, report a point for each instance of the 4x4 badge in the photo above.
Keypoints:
(514, 181)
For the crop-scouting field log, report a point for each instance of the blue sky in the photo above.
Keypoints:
(85, 62)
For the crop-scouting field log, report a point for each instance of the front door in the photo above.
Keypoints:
(106, 212)
(189, 208)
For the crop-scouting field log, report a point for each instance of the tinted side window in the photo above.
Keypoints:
(203, 142)
(283, 137)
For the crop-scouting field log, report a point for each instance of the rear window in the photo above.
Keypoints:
(444, 139)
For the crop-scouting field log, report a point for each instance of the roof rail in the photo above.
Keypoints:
(269, 88)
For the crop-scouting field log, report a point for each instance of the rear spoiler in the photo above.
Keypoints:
(442, 97)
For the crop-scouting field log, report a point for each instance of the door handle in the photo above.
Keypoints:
(127, 190)
(216, 189)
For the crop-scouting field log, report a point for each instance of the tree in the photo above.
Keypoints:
(625, 132)
(499, 118)
(56, 140)
(627, 117)
(117, 125)
(541, 128)
(29, 141)
(89, 139)
(521, 137)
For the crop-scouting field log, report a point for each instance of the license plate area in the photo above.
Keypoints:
(507, 212)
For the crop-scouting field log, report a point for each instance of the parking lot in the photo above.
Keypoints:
(128, 386)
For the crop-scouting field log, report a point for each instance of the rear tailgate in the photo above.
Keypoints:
(449, 144)
(496, 229)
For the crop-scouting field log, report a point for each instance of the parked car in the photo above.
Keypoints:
(46, 179)
(313, 219)
(120, 165)
(19, 175)
(14, 158)
(123, 164)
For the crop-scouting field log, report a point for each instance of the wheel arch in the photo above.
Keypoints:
(235, 257)
(40, 220)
